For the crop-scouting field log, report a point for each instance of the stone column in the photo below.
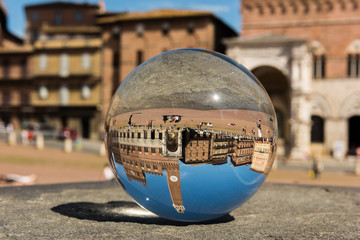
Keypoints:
(336, 139)
(12, 138)
(300, 119)
(300, 127)
(68, 145)
(39, 141)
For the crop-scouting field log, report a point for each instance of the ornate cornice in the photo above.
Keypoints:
(287, 7)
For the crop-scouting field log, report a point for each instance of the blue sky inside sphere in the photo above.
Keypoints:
(226, 10)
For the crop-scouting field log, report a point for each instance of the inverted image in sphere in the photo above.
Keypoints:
(191, 134)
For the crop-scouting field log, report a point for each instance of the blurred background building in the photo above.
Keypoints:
(75, 55)
(62, 76)
(306, 54)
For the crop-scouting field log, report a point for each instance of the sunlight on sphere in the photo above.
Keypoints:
(191, 134)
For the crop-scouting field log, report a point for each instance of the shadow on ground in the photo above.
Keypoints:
(122, 211)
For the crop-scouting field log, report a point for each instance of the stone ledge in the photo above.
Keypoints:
(102, 210)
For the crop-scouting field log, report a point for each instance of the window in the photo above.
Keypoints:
(42, 61)
(86, 61)
(139, 57)
(152, 150)
(25, 98)
(148, 166)
(155, 167)
(160, 135)
(64, 95)
(64, 65)
(145, 149)
(190, 28)
(145, 134)
(165, 27)
(160, 150)
(139, 29)
(6, 69)
(319, 62)
(317, 129)
(85, 91)
(78, 16)
(139, 149)
(35, 16)
(24, 68)
(6, 98)
(58, 18)
(34, 34)
(152, 134)
(138, 135)
(43, 92)
(353, 69)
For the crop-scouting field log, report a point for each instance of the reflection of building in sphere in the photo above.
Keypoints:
(155, 148)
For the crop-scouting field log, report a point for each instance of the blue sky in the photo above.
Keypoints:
(227, 10)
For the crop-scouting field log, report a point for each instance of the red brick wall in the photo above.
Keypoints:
(333, 25)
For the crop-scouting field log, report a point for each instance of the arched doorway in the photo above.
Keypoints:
(278, 87)
(354, 136)
(317, 129)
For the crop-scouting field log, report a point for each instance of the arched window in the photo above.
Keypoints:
(64, 65)
(353, 59)
(319, 60)
(317, 129)
(64, 95)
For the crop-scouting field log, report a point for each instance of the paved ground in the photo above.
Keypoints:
(56, 166)
(102, 210)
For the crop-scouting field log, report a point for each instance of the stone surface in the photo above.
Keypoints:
(102, 211)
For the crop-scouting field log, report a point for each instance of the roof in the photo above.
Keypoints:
(267, 38)
(70, 29)
(155, 14)
(62, 4)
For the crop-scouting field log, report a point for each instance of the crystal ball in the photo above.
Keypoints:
(191, 134)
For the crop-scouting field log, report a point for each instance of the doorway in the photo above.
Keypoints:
(354, 134)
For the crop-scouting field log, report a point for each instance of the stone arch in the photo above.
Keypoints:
(317, 48)
(270, 63)
(354, 47)
(350, 106)
(320, 106)
(278, 86)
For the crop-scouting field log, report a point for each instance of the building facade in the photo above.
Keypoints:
(306, 54)
(131, 38)
(65, 65)
(75, 55)
(15, 101)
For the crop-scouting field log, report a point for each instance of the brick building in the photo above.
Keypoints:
(131, 38)
(306, 54)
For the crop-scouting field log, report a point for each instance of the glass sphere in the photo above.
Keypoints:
(191, 134)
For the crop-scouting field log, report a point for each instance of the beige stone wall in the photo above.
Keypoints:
(75, 97)
(74, 63)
